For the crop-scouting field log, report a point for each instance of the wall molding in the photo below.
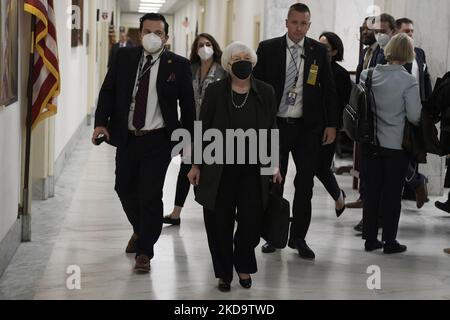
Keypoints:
(10, 244)
(44, 188)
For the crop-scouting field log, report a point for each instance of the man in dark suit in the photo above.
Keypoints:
(137, 113)
(299, 70)
(371, 53)
(124, 42)
(415, 188)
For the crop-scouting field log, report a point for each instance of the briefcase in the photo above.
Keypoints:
(276, 219)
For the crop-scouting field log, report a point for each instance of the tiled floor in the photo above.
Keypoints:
(84, 226)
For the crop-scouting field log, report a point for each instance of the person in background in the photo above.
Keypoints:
(384, 29)
(385, 165)
(124, 42)
(234, 192)
(206, 69)
(138, 105)
(299, 70)
(416, 184)
(343, 82)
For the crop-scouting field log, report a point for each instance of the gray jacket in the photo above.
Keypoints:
(215, 74)
(397, 98)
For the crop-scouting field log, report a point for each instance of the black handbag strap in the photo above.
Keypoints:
(369, 80)
(369, 84)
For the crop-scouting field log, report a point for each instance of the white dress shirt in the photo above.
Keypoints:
(295, 111)
(153, 119)
(415, 70)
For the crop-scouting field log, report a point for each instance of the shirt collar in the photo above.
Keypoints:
(389, 67)
(154, 55)
(291, 43)
(374, 46)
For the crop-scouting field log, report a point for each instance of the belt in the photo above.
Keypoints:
(141, 133)
(290, 120)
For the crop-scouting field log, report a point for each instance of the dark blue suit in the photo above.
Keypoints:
(377, 58)
(415, 179)
(424, 76)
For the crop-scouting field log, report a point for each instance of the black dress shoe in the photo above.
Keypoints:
(224, 286)
(304, 251)
(173, 222)
(359, 227)
(444, 206)
(341, 211)
(394, 247)
(268, 248)
(246, 284)
(373, 245)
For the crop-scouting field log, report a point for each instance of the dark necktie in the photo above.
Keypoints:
(140, 110)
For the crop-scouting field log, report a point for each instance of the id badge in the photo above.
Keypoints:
(313, 74)
(291, 98)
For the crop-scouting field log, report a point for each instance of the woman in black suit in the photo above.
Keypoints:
(233, 192)
(206, 68)
(344, 88)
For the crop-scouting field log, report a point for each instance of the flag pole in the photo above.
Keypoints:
(26, 201)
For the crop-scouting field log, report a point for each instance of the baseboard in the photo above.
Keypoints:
(9, 245)
(45, 188)
(60, 162)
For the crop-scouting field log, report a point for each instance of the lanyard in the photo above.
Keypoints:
(299, 69)
(141, 73)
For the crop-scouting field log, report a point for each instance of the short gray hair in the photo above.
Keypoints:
(235, 48)
(400, 48)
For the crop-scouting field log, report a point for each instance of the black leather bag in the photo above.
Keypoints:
(413, 142)
(358, 118)
(276, 219)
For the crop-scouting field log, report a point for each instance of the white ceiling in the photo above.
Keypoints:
(168, 8)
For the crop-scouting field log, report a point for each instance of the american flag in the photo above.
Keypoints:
(45, 74)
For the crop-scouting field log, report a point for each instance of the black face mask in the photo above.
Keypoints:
(242, 69)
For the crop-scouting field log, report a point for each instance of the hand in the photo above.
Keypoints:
(194, 176)
(277, 177)
(98, 132)
(329, 136)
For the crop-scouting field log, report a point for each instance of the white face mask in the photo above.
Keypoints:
(152, 43)
(382, 39)
(205, 53)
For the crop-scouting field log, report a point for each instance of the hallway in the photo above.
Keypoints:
(84, 226)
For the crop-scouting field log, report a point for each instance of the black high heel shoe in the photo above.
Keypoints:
(224, 286)
(246, 284)
(341, 211)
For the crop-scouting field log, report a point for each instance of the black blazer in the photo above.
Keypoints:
(215, 114)
(377, 58)
(426, 89)
(319, 101)
(174, 84)
(114, 49)
(344, 87)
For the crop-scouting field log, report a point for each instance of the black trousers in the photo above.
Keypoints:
(325, 173)
(304, 144)
(141, 169)
(239, 199)
(384, 179)
(183, 185)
